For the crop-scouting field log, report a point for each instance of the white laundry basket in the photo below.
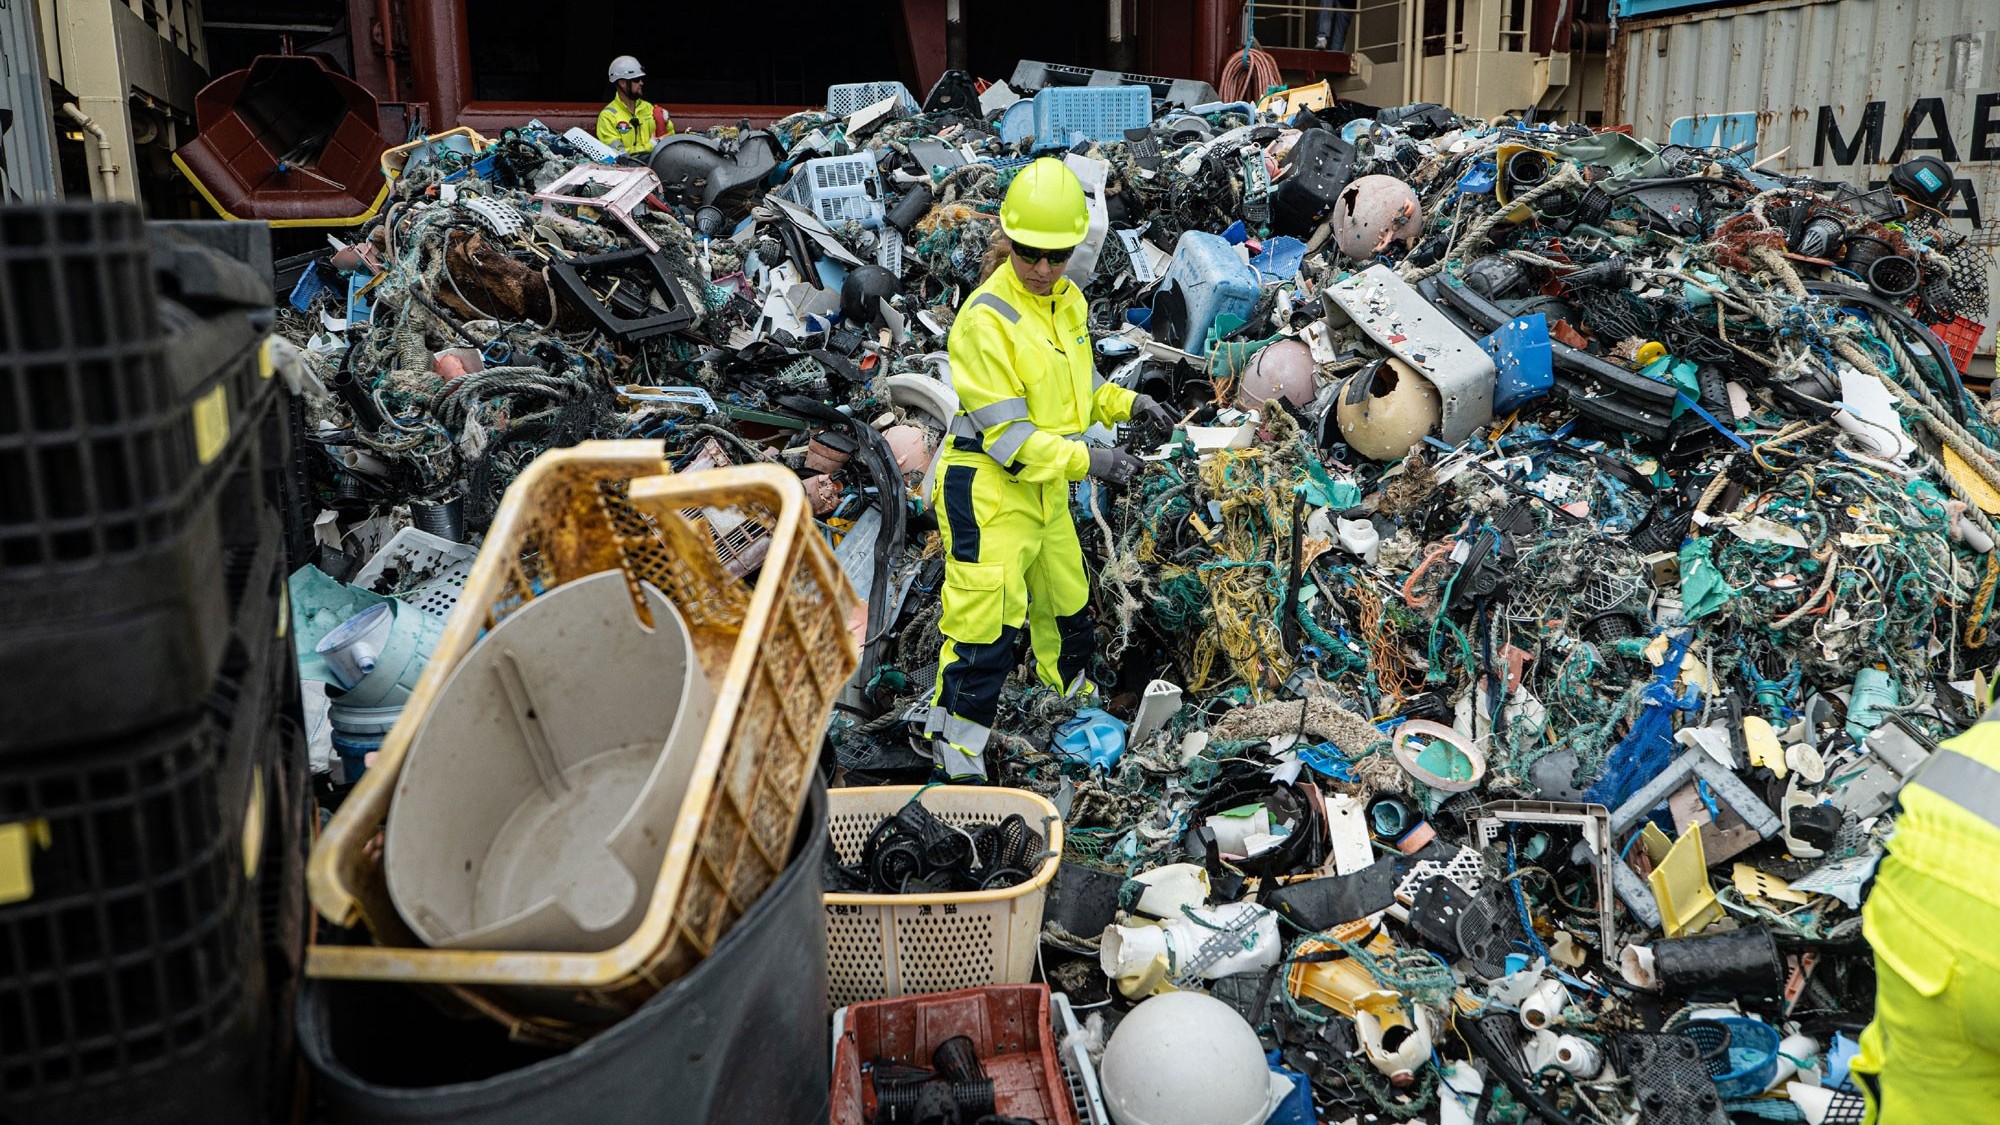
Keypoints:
(881, 946)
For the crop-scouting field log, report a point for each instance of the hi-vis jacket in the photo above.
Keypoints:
(630, 131)
(1022, 366)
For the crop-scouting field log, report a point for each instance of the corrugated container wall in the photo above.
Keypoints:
(27, 146)
(1843, 89)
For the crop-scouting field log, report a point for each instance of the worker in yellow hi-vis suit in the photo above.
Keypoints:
(1933, 1052)
(631, 123)
(1027, 390)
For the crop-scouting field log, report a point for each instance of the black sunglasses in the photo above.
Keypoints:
(1033, 254)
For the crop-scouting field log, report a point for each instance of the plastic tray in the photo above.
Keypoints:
(777, 653)
(894, 945)
(1011, 1027)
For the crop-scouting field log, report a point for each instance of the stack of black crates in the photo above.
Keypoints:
(154, 802)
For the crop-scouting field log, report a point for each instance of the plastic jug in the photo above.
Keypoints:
(1094, 738)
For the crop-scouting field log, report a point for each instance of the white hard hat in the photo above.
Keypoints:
(1183, 1058)
(624, 67)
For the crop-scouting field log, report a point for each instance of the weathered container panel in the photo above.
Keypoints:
(1838, 89)
(27, 149)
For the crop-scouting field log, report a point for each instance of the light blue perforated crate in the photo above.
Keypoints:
(839, 189)
(847, 97)
(1102, 113)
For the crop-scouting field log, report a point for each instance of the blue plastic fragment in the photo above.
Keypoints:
(310, 286)
(1520, 349)
(359, 308)
(1297, 1106)
(1236, 234)
(1478, 179)
(1280, 259)
(1326, 758)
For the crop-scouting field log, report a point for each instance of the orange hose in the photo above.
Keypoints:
(1238, 80)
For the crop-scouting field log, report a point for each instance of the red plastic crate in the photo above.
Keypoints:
(1961, 336)
(1008, 1024)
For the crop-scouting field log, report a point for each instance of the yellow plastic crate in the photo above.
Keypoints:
(881, 946)
(776, 654)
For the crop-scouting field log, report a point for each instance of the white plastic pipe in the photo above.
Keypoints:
(107, 168)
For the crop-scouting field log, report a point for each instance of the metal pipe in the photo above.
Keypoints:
(954, 34)
(1416, 50)
(385, 17)
(107, 168)
(1450, 54)
(1114, 22)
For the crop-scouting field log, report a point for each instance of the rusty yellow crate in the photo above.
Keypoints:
(777, 654)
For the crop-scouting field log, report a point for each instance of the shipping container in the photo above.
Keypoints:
(1837, 89)
(27, 142)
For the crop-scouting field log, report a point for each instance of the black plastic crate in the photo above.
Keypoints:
(93, 653)
(148, 976)
(120, 399)
(137, 950)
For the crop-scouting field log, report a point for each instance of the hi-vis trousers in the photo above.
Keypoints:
(1011, 556)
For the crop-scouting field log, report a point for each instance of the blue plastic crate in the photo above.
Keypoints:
(1102, 113)
(847, 97)
(1207, 280)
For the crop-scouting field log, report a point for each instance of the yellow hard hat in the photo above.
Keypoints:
(1045, 207)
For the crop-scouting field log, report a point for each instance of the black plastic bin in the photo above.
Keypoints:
(742, 1038)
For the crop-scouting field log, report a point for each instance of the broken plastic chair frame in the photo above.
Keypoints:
(573, 276)
(625, 189)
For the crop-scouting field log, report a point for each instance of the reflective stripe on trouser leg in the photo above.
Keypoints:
(1059, 621)
(966, 701)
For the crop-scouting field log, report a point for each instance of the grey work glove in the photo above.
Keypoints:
(1147, 410)
(1115, 465)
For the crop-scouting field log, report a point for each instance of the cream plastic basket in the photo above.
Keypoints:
(777, 655)
(882, 946)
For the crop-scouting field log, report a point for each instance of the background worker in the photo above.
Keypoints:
(630, 123)
(1021, 360)
(1932, 1053)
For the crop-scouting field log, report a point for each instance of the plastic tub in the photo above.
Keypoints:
(895, 945)
(741, 1038)
(777, 654)
(1011, 1029)
(528, 812)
